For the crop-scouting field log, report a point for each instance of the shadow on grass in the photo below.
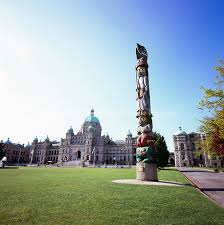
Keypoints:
(10, 167)
(172, 169)
(177, 183)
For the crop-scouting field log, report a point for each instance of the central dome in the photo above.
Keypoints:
(91, 118)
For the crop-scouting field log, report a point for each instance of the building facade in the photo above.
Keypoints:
(16, 153)
(43, 152)
(187, 150)
(87, 145)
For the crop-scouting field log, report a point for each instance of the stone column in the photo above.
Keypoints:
(146, 168)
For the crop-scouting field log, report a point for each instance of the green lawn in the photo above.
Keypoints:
(87, 196)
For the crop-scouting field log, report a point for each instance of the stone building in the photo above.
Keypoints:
(43, 152)
(187, 150)
(16, 153)
(87, 145)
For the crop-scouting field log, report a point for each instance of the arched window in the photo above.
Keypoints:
(78, 155)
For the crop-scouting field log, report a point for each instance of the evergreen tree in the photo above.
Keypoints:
(162, 154)
(2, 153)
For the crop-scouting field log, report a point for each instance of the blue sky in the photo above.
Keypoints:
(58, 59)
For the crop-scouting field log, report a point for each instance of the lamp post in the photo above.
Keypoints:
(93, 153)
(31, 155)
(115, 162)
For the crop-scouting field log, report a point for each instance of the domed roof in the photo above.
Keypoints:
(8, 142)
(129, 133)
(91, 118)
(70, 130)
(28, 145)
(47, 138)
(180, 132)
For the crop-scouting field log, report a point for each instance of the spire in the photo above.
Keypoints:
(92, 112)
(35, 140)
(47, 138)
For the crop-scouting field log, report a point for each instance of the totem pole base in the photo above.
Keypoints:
(146, 171)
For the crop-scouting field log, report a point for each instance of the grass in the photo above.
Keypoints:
(57, 196)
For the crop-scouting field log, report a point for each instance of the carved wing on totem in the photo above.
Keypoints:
(141, 52)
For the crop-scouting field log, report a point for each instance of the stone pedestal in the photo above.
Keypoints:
(146, 171)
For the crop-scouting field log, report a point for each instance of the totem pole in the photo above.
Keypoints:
(146, 154)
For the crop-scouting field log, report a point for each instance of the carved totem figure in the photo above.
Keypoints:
(143, 95)
(145, 141)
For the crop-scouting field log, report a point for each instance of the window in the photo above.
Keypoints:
(181, 146)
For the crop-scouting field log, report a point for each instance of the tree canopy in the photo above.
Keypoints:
(213, 124)
(2, 154)
(162, 154)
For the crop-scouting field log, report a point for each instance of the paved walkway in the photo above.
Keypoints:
(212, 184)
